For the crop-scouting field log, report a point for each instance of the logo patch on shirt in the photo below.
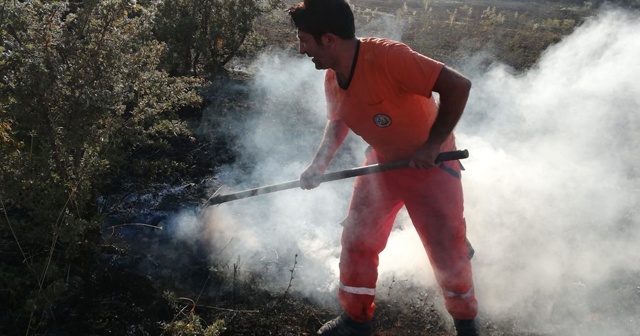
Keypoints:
(382, 120)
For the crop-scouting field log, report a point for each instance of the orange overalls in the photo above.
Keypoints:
(389, 104)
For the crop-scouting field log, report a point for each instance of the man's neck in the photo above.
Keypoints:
(346, 55)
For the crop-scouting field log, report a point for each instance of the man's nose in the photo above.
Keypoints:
(302, 49)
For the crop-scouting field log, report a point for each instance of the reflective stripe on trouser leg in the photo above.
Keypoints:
(366, 229)
(436, 206)
(357, 302)
(463, 296)
(358, 290)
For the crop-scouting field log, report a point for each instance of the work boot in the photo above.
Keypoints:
(465, 327)
(344, 326)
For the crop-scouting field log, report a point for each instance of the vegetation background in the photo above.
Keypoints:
(100, 99)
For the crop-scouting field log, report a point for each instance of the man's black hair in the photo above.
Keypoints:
(319, 17)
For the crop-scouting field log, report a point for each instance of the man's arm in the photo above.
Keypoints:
(334, 134)
(453, 89)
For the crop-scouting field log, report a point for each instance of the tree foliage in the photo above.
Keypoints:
(79, 90)
(83, 85)
(207, 34)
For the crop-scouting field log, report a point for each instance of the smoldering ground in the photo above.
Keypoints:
(551, 186)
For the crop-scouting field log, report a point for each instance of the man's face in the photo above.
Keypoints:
(320, 53)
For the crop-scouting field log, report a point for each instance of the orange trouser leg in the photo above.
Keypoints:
(434, 201)
(435, 206)
(366, 230)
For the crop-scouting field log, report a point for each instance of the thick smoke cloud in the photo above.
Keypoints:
(551, 186)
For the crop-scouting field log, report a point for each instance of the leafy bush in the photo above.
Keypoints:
(80, 89)
(207, 34)
(190, 325)
(187, 322)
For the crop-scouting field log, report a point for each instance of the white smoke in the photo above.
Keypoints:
(551, 186)
(552, 183)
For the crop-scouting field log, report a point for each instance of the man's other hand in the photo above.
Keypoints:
(425, 157)
(308, 177)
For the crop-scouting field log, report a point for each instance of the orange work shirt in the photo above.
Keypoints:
(388, 101)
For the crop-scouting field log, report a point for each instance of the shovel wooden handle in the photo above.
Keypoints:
(338, 175)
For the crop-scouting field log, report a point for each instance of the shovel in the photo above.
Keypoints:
(338, 175)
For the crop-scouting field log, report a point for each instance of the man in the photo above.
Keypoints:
(382, 90)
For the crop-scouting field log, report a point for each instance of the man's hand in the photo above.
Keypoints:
(334, 134)
(307, 181)
(425, 157)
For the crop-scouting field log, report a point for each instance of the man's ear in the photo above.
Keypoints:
(329, 39)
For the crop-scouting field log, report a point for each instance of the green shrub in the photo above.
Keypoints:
(204, 35)
(80, 89)
(190, 325)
